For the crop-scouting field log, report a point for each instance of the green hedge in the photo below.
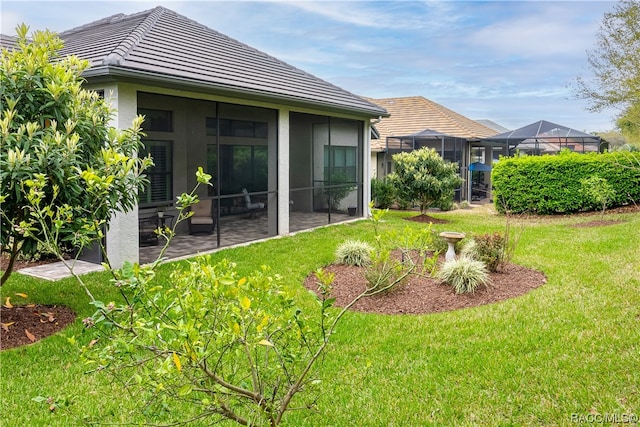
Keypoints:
(552, 184)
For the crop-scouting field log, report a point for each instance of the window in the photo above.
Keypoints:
(240, 128)
(340, 160)
(211, 124)
(241, 166)
(156, 120)
(160, 176)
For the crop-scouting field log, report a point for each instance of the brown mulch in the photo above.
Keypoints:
(26, 324)
(421, 295)
(22, 325)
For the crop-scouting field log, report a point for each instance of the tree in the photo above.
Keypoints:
(423, 176)
(615, 64)
(58, 151)
(216, 344)
(629, 124)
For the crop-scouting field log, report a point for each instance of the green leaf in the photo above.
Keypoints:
(185, 390)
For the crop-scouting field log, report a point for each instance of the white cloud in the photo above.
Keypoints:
(550, 30)
(509, 59)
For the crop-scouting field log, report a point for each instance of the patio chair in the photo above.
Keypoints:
(147, 231)
(251, 206)
(202, 222)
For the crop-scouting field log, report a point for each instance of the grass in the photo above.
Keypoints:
(569, 347)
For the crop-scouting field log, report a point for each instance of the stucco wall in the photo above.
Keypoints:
(122, 235)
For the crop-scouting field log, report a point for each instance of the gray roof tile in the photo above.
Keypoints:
(162, 43)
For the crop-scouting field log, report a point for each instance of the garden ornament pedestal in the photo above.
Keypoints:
(451, 237)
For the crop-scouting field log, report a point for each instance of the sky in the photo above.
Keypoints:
(512, 62)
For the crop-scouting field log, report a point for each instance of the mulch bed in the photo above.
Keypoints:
(424, 218)
(26, 324)
(22, 325)
(421, 295)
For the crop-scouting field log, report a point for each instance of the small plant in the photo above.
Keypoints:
(354, 252)
(469, 249)
(464, 274)
(490, 248)
(464, 205)
(385, 272)
(388, 271)
(598, 190)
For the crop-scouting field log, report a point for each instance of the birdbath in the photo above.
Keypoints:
(451, 237)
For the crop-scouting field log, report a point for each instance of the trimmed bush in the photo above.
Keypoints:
(553, 184)
(354, 252)
(382, 193)
(464, 274)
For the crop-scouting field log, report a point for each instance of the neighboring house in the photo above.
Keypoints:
(544, 137)
(416, 122)
(249, 119)
(492, 125)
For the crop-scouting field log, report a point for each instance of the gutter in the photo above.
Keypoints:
(111, 73)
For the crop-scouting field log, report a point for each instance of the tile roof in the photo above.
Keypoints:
(8, 42)
(492, 125)
(414, 114)
(161, 45)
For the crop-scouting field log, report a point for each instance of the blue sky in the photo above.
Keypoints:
(512, 62)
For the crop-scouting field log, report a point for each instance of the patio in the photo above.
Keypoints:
(235, 230)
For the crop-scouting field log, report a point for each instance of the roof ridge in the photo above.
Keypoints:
(132, 40)
(106, 20)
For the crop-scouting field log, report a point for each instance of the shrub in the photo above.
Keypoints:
(59, 151)
(464, 274)
(382, 193)
(552, 184)
(446, 204)
(489, 248)
(424, 177)
(354, 252)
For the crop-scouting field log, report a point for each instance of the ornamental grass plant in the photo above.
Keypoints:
(464, 274)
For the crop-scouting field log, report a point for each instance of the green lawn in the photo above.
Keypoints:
(569, 349)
